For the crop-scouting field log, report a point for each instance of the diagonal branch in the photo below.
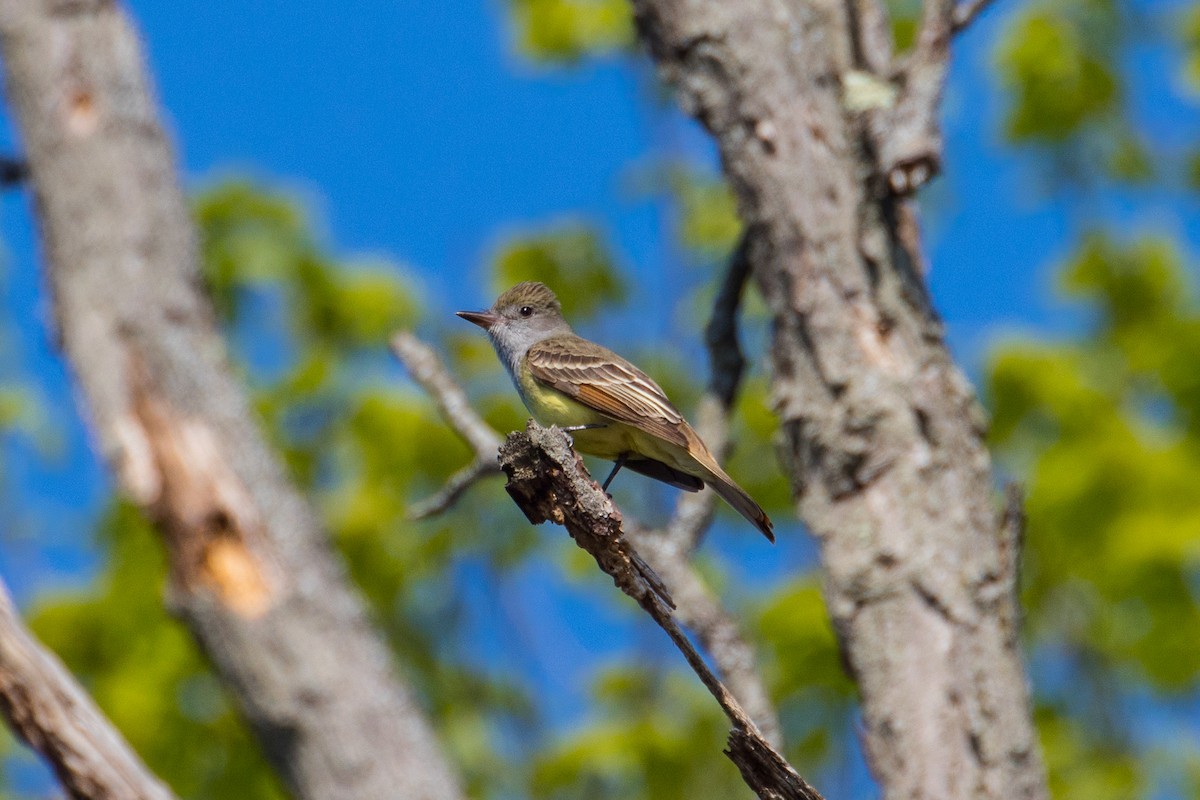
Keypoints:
(694, 511)
(670, 549)
(548, 481)
(428, 370)
(50, 711)
(717, 629)
(966, 13)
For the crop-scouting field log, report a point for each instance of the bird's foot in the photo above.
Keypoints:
(588, 427)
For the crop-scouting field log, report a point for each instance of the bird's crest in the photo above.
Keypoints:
(530, 293)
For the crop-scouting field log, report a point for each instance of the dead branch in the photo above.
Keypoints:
(13, 172)
(48, 709)
(669, 550)
(548, 481)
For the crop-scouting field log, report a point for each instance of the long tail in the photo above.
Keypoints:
(742, 503)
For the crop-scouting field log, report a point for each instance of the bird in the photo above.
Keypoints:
(612, 409)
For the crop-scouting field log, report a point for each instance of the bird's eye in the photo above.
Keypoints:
(526, 311)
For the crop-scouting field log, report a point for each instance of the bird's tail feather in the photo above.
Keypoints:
(742, 503)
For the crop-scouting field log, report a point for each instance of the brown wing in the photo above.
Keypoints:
(602, 380)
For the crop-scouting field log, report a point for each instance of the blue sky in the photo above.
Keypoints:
(417, 136)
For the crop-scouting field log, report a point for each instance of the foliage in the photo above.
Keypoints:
(1107, 428)
(570, 30)
(1059, 83)
(146, 673)
(1103, 426)
(572, 258)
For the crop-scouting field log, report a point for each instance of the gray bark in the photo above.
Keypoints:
(252, 572)
(881, 434)
(52, 713)
(548, 481)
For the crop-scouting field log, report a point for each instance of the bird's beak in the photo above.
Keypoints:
(484, 319)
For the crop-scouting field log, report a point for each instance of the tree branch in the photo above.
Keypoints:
(52, 713)
(694, 511)
(452, 403)
(909, 136)
(718, 630)
(967, 11)
(252, 571)
(726, 362)
(548, 481)
(669, 550)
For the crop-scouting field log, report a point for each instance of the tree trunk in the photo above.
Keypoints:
(252, 572)
(881, 433)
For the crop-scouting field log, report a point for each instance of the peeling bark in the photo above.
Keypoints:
(252, 572)
(882, 434)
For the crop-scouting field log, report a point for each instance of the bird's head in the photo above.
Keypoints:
(523, 315)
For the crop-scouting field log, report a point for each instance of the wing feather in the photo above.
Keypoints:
(603, 381)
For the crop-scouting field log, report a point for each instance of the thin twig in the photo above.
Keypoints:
(694, 511)
(721, 334)
(966, 13)
(50, 711)
(456, 486)
(717, 629)
(455, 408)
(427, 369)
(548, 481)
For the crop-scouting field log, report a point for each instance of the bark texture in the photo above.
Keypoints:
(252, 572)
(52, 713)
(548, 481)
(821, 136)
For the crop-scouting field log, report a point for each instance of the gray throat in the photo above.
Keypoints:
(512, 340)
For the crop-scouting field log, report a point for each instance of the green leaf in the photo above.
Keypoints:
(1058, 84)
(566, 31)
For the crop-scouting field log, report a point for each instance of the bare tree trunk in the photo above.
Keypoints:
(252, 572)
(821, 134)
(52, 713)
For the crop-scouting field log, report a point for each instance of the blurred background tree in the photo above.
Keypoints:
(1100, 421)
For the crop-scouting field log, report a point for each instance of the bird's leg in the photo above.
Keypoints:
(616, 468)
(588, 427)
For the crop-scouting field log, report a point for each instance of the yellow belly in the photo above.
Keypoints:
(552, 407)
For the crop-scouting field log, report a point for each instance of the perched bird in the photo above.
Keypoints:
(612, 409)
